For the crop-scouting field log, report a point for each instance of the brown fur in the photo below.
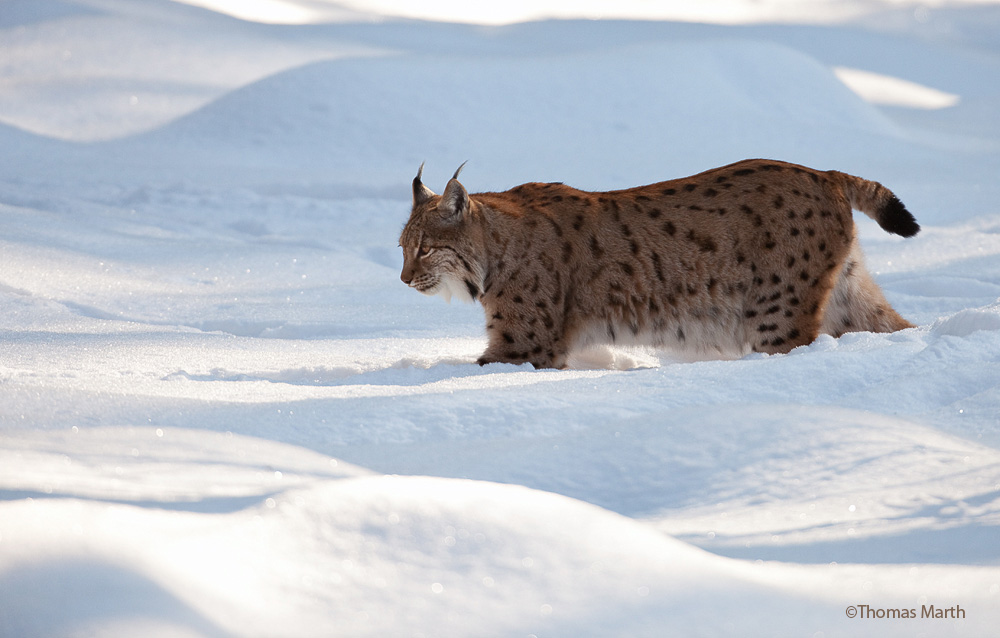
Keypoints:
(756, 256)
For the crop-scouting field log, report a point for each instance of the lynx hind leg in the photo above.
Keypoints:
(857, 304)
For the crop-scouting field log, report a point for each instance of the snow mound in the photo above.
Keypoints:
(319, 549)
(175, 468)
(373, 121)
(966, 322)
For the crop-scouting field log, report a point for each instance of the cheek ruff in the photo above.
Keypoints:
(450, 286)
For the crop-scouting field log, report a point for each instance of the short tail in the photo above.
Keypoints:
(879, 203)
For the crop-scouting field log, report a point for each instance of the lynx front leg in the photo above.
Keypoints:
(534, 340)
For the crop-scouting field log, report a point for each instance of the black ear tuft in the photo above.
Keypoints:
(420, 192)
(455, 176)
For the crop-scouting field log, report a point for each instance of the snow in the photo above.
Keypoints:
(882, 89)
(221, 413)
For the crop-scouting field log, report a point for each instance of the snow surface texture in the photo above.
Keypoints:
(221, 413)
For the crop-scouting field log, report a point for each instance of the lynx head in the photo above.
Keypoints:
(442, 242)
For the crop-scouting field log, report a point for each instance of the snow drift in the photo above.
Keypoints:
(221, 414)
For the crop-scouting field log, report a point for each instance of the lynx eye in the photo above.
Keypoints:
(423, 251)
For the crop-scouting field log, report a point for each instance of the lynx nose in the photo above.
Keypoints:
(406, 276)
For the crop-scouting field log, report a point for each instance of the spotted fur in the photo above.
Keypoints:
(758, 256)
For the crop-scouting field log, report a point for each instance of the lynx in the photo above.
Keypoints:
(757, 256)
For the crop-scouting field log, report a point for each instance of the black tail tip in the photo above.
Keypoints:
(897, 220)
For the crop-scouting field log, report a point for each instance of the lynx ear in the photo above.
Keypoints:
(420, 192)
(454, 203)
